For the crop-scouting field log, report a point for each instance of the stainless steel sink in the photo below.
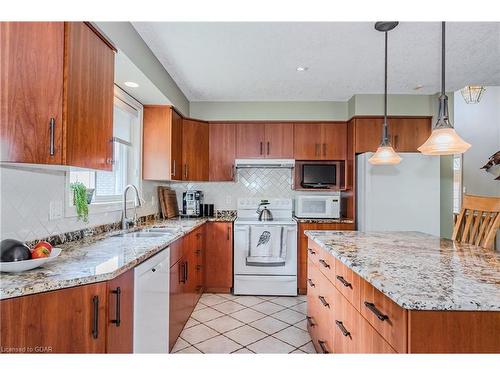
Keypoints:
(161, 230)
(141, 234)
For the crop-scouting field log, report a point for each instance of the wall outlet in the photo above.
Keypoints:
(228, 199)
(55, 210)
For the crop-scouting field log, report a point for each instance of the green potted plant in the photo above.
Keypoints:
(80, 201)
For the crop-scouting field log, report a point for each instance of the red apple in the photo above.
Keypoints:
(41, 250)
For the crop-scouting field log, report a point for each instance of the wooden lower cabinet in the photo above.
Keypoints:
(186, 279)
(364, 320)
(219, 257)
(302, 242)
(120, 320)
(71, 320)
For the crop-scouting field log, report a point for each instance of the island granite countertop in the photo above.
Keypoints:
(419, 271)
(94, 259)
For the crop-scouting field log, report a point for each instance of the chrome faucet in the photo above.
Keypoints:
(137, 203)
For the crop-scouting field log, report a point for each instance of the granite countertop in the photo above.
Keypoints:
(342, 220)
(419, 271)
(94, 259)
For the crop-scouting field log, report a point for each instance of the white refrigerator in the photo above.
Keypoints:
(403, 197)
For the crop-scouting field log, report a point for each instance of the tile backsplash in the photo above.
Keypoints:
(249, 183)
(26, 195)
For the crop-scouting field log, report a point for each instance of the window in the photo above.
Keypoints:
(457, 183)
(127, 122)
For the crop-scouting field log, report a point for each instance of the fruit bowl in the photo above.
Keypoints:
(26, 265)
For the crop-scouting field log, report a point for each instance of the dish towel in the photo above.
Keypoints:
(265, 246)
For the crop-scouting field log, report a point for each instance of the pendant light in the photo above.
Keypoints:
(443, 140)
(472, 94)
(385, 154)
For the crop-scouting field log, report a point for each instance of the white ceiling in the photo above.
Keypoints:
(257, 61)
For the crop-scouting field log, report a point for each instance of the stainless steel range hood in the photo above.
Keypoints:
(265, 163)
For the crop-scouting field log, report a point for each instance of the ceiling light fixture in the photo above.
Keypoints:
(131, 84)
(472, 94)
(302, 68)
(385, 154)
(443, 140)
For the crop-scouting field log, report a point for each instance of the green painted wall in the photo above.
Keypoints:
(130, 42)
(364, 104)
(269, 110)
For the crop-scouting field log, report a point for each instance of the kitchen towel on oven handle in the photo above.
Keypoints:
(265, 246)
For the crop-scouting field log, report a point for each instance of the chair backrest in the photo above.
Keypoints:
(478, 221)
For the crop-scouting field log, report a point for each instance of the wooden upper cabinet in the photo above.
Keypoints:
(222, 151)
(31, 91)
(405, 133)
(278, 139)
(71, 320)
(120, 325)
(176, 147)
(368, 133)
(195, 139)
(320, 141)
(264, 140)
(408, 134)
(56, 95)
(250, 139)
(219, 257)
(334, 141)
(89, 93)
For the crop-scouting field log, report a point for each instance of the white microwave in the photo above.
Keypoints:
(317, 206)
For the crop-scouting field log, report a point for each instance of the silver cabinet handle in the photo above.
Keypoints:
(174, 172)
(316, 149)
(324, 149)
(185, 171)
(52, 129)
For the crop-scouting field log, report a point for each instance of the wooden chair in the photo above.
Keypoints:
(478, 221)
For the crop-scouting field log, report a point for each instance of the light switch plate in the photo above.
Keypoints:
(55, 210)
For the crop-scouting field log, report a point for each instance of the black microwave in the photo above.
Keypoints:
(321, 176)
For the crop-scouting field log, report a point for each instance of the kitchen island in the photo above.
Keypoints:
(404, 292)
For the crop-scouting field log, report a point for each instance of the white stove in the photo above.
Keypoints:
(265, 252)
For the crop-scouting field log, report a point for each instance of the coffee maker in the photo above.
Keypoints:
(191, 203)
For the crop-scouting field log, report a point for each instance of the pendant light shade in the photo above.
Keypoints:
(443, 140)
(385, 154)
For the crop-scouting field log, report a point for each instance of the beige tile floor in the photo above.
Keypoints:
(223, 323)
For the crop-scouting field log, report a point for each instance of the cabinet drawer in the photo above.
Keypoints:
(326, 308)
(388, 319)
(370, 341)
(326, 264)
(312, 280)
(346, 326)
(348, 283)
(313, 251)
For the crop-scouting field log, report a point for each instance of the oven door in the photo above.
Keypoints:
(248, 260)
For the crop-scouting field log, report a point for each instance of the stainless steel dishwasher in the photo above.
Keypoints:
(151, 304)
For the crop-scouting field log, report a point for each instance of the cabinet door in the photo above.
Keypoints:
(195, 150)
(334, 141)
(156, 138)
(279, 140)
(176, 147)
(219, 257)
(222, 151)
(178, 312)
(368, 134)
(407, 134)
(31, 90)
(71, 320)
(120, 330)
(307, 141)
(250, 140)
(88, 105)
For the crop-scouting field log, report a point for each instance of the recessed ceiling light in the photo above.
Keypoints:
(302, 68)
(131, 84)
(418, 87)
